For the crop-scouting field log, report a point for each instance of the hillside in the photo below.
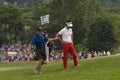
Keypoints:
(103, 3)
(110, 3)
(26, 3)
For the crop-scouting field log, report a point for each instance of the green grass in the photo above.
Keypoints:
(101, 68)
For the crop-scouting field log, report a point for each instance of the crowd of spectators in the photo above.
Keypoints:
(13, 52)
(18, 52)
(13, 47)
(92, 54)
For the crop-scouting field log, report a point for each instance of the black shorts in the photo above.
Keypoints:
(39, 54)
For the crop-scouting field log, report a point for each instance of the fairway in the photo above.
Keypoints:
(100, 68)
(8, 68)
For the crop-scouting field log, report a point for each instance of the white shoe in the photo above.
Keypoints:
(37, 70)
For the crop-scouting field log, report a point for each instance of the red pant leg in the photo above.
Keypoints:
(73, 53)
(65, 53)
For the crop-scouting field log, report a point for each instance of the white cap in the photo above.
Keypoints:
(69, 24)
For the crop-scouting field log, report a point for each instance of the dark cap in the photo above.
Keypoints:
(69, 23)
(38, 29)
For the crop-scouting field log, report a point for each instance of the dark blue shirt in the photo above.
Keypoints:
(39, 41)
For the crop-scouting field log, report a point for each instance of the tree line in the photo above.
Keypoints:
(95, 28)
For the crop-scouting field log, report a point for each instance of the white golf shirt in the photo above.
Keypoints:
(66, 34)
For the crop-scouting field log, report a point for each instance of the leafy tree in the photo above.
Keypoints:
(11, 22)
(81, 12)
(100, 36)
(115, 19)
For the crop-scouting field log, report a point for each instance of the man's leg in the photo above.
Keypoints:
(73, 53)
(65, 51)
(47, 53)
(40, 62)
(41, 56)
(38, 68)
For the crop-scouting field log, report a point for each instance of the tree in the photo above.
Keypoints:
(100, 36)
(81, 12)
(11, 22)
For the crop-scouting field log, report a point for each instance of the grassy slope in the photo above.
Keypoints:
(103, 68)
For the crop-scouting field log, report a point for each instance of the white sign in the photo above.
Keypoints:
(44, 19)
(12, 53)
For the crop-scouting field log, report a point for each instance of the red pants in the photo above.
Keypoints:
(68, 47)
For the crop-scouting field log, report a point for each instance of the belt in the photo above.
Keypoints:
(65, 42)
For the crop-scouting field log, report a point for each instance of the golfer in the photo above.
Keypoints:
(67, 43)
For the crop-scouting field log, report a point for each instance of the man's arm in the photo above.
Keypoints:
(72, 37)
(57, 37)
(29, 47)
